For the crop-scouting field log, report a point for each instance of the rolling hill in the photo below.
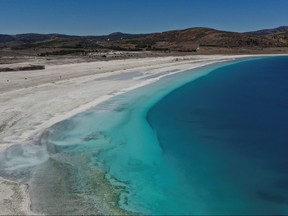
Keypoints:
(187, 40)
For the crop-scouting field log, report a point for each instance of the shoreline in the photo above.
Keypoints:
(59, 99)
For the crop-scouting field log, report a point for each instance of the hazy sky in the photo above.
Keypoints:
(97, 17)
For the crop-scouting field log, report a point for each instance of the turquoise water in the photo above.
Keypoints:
(117, 137)
(216, 145)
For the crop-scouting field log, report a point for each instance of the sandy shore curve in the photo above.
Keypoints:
(32, 101)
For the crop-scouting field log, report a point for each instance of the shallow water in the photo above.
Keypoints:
(116, 137)
(205, 148)
(115, 141)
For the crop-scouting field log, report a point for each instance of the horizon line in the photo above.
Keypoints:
(87, 35)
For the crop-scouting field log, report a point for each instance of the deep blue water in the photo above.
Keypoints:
(227, 134)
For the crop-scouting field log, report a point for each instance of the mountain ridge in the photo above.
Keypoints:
(269, 31)
(185, 40)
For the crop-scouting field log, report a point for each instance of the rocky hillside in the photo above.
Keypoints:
(266, 32)
(188, 40)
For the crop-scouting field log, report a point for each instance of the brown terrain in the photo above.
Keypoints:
(52, 47)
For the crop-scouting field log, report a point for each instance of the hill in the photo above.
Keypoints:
(266, 32)
(188, 40)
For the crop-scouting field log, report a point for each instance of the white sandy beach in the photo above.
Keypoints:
(32, 101)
